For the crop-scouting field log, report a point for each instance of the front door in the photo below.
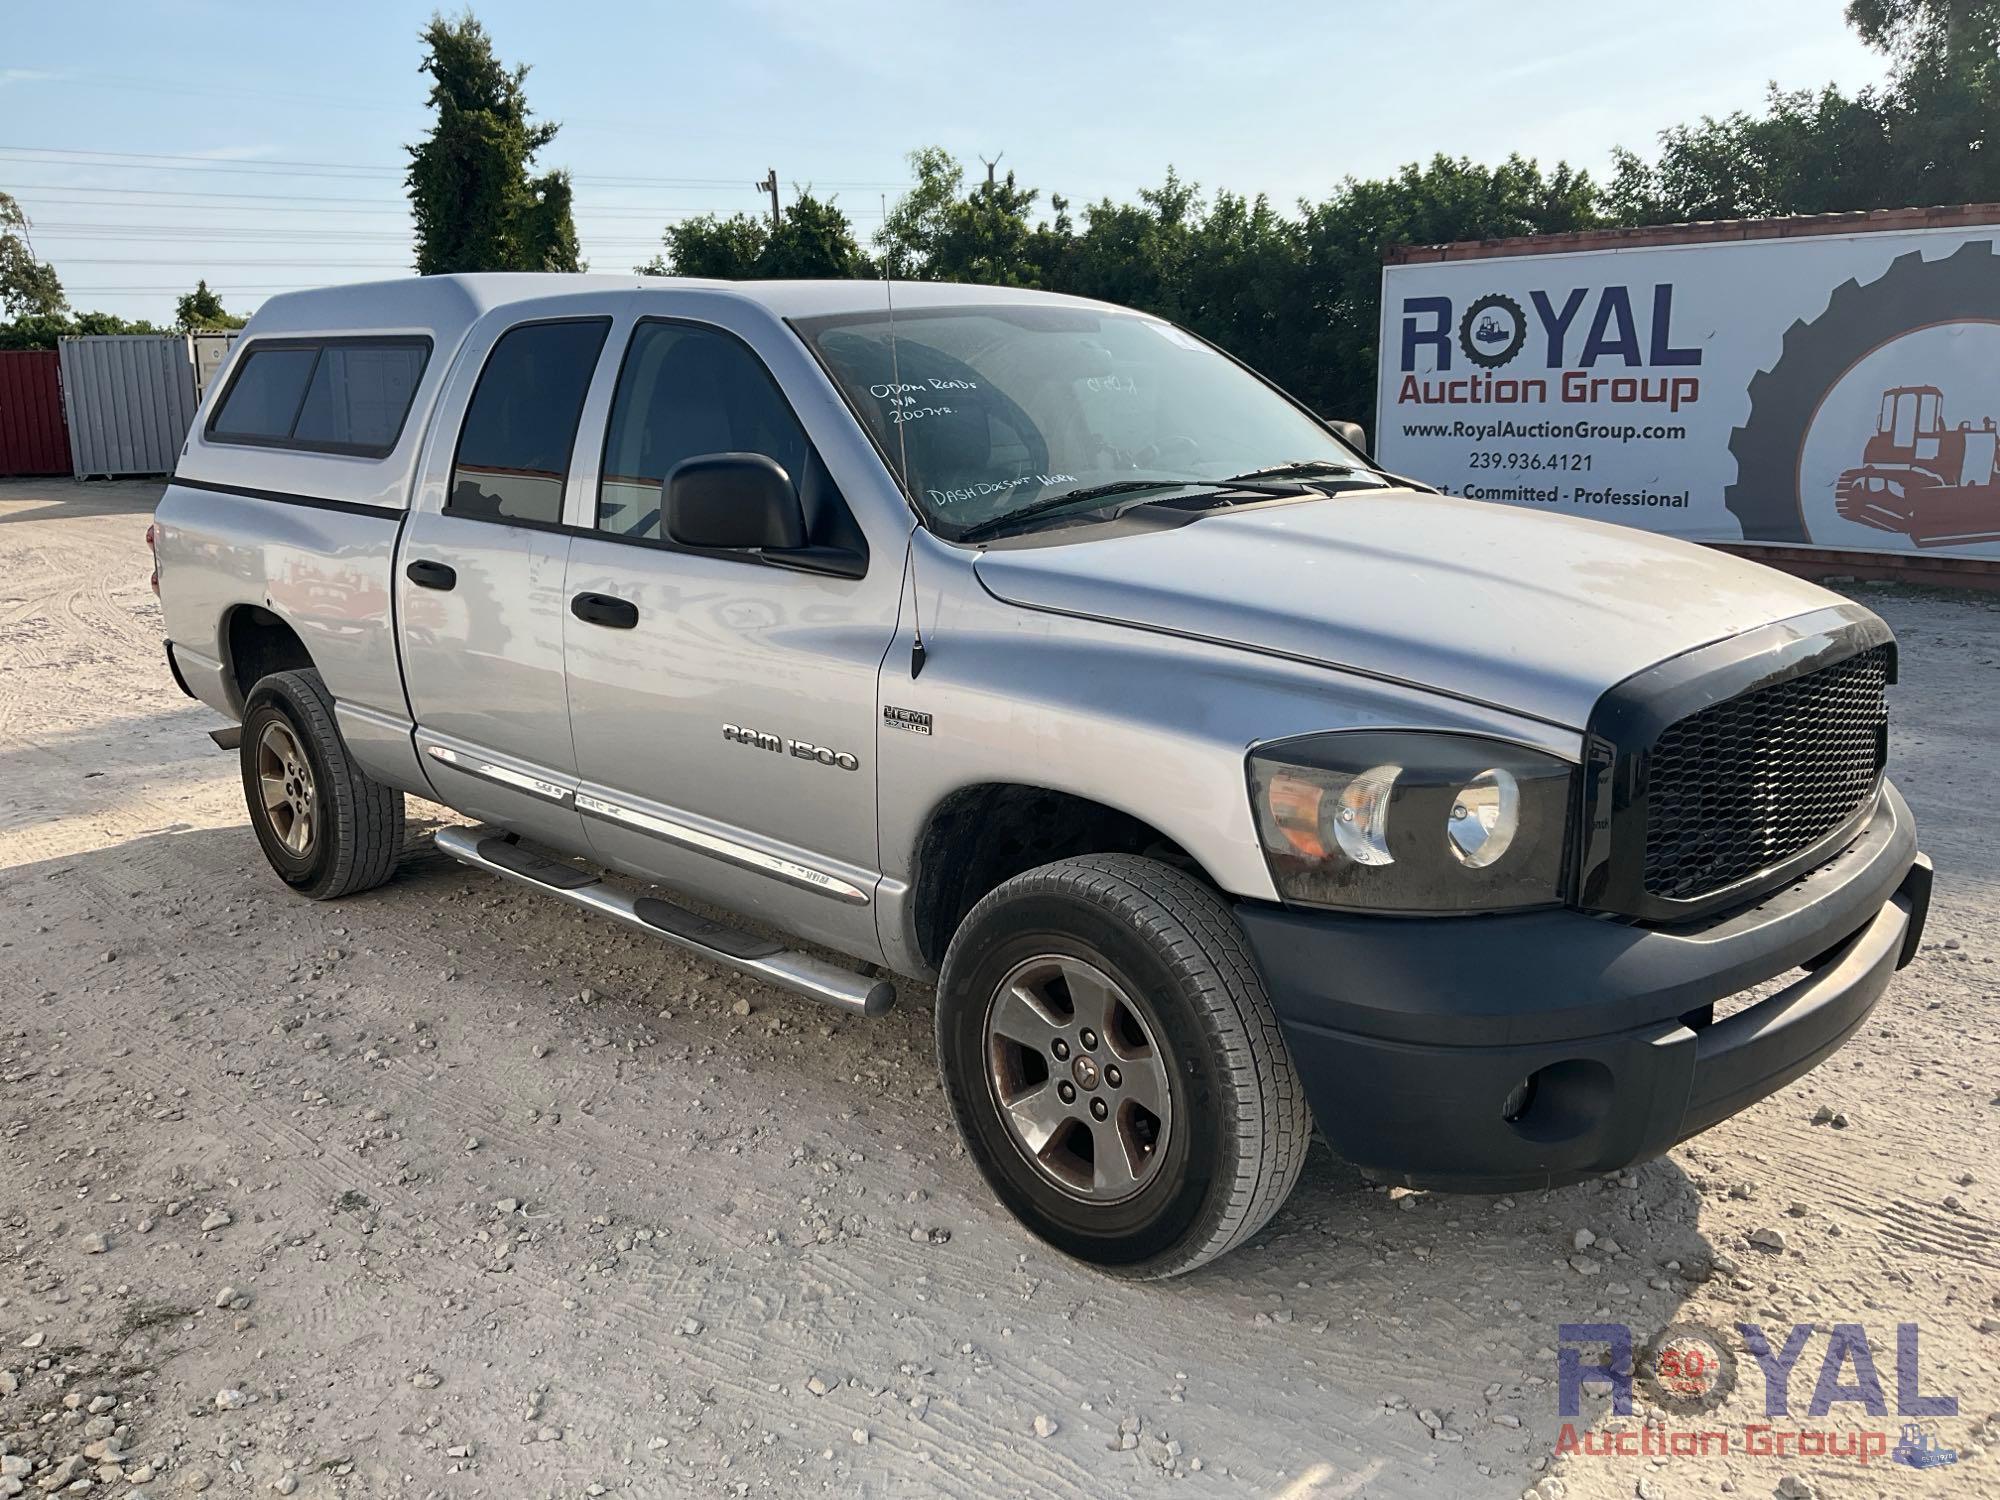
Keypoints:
(723, 705)
(480, 579)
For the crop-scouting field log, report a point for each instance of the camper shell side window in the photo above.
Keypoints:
(348, 396)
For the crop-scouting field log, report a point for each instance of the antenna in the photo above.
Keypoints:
(918, 655)
(895, 368)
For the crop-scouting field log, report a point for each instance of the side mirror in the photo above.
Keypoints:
(734, 501)
(1351, 433)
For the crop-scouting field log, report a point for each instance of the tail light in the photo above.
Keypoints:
(153, 546)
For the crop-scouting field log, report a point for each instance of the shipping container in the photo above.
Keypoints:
(208, 349)
(130, 400)
(33, 436)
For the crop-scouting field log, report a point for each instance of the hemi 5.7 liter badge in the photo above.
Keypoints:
(905, 718)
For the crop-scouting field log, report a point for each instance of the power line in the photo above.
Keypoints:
(77, 187)
(265, 166)
(112, 161)
(223, 289)
(234, 234)
(154, 260)
(290, 204)
(413, 108)
(293, 203)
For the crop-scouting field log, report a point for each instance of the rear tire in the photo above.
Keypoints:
(326, 826)
(1204, 1126)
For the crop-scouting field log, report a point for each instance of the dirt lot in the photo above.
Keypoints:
(449, 1190)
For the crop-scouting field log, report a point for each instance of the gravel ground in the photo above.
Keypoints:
(450, 1190)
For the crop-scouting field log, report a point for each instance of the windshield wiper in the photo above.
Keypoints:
(995, 525)
(1303, 468)
(1259, 483)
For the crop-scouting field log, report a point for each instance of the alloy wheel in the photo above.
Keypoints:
(285, 780)
(1079, 1078)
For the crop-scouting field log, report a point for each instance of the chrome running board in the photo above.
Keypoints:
(495, 852)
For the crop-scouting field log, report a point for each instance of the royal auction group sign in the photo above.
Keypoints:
(1825, 390)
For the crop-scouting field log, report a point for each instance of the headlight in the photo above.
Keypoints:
(1401, 821)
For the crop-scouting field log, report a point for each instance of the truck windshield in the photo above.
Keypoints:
(1000, 409)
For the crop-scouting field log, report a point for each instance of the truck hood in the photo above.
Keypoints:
(1535, 614)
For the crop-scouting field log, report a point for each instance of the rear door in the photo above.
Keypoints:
(724, 713)
(480, 575)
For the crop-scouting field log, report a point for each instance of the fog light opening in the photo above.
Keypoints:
(1560, 1102)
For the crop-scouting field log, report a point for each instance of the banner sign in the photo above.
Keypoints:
(1826, 390)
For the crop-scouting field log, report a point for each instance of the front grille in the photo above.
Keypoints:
(1747, 783)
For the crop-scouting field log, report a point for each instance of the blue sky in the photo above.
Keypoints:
(674, 109)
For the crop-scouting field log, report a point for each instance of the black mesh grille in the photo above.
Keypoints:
(1749, 782)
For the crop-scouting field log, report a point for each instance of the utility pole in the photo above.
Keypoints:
(990, 165)
(770, 185)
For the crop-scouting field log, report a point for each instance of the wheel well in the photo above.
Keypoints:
(259, 643)
(982, 836)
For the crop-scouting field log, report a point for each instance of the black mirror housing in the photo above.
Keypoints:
(1351, 433)
(734, 502)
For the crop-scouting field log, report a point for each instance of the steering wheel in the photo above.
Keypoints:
(1176, 454)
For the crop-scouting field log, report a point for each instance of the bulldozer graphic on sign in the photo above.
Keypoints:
(1937, 485)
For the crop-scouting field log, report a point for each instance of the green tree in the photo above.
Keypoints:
(1137, 253)
(475, 206)
(28, 287)
(201, 308)
(1243, 268)
(1809, 152)
(36, 331)
(1335, 308)
(104, 322)
(43, 330)
(813, 240)
(547, 232)
(1052, 247)
(711, 247)
(915, 227)
(939, 232)
(987, 237)
(1920, 34)
(1946, 135)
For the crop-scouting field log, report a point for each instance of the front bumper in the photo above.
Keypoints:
(1503, 1053)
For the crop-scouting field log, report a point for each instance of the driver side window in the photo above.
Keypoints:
(684, 392)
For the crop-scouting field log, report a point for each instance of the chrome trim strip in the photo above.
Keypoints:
(804, 876)
(485, 770)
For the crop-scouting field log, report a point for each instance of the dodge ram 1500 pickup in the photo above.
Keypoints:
(1224, 784)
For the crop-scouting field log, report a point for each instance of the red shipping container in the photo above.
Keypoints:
(34, 437)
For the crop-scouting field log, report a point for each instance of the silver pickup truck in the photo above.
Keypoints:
(1224, 784)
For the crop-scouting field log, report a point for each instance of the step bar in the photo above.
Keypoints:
(497, 853)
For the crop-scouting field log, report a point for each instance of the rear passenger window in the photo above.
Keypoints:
(322, 396)
(514, 449)
(685, 392)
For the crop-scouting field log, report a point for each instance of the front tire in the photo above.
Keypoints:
(1115, 1066)
(326, 826)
